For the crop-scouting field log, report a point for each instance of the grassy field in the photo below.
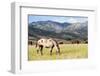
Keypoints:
(68, 51)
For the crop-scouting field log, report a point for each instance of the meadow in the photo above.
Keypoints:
(68, 51)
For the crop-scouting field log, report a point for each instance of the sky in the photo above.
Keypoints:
(61, 19)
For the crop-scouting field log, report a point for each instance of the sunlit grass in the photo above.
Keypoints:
(68, 51)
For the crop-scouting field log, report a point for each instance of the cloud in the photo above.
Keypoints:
(72, 20)
(77, 19)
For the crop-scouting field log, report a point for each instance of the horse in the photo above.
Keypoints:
(47, 43)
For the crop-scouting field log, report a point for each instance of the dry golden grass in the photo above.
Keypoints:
(68, 51)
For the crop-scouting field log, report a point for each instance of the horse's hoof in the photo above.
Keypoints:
(50, 54)
(41, 54)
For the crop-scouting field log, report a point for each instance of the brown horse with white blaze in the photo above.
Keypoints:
(47, 43)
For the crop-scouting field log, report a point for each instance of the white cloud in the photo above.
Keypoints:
(75, 20)
(72, 20)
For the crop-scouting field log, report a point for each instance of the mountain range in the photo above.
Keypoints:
(57, 30)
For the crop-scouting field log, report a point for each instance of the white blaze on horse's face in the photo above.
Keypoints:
(46, 42)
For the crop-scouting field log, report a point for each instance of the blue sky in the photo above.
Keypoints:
(61, 19)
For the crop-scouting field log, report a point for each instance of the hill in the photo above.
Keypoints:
(56, 30)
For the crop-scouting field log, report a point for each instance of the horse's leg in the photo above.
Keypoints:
(51, 50)
(57, 49)
(41, 50)
(37, 49)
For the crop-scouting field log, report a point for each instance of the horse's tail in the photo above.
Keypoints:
(36, 44)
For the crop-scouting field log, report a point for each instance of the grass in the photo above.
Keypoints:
(68, 51)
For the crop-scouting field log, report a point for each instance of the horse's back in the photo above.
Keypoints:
(45, 42)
